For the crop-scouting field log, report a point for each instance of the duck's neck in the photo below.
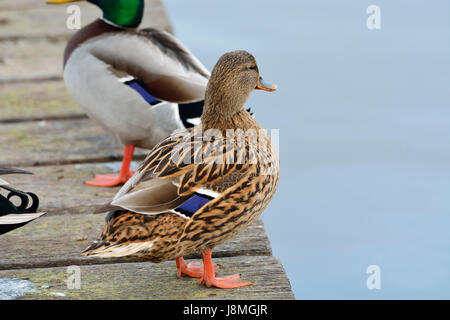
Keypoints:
(221, 105)
(216, 118)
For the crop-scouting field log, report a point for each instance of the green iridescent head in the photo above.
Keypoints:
(125, 13)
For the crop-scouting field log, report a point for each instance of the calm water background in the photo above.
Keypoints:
(364, 119)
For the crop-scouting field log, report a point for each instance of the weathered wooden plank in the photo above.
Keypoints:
(157, 281)
(34, 59)
(57, 142)
(35, 101)
(58, 240)
(37, 19)
(22, 4)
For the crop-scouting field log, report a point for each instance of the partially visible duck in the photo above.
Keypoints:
(14, 216)
(140, 85)
(195, 191)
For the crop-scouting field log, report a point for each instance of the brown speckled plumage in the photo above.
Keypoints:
(244, 186)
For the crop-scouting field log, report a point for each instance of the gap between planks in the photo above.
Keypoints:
(92, 160)
(4, 80)
(72, 116)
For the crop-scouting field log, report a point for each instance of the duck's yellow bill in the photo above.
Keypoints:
(60, 1)
(263, 85)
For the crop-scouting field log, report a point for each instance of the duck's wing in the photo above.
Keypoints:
(161, 63)
(181, 166)
(4, 170)
(171, 46)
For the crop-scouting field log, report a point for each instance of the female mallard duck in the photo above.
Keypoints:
(138, 85)
(197, 188)
(14, 216)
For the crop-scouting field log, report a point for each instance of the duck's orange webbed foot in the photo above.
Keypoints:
(112, 180)
(209, 278)
(191, 269)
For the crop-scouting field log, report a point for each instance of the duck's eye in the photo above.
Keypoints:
(252, 67)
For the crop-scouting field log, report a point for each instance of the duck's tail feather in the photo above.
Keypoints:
(104, 249)
(106, 207)
(9, 222)
(129, 233)
(4, 170)
(18, 218)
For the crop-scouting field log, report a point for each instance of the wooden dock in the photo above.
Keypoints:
(43, 130)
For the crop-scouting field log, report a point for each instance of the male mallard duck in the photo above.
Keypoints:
(12, 216)
(138, 85)
(197, 188)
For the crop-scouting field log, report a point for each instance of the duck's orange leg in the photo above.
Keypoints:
(112, 180)
(209, 278)
(191, 269)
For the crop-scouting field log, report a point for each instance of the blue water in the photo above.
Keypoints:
(364, 119)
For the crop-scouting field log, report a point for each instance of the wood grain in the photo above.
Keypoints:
(57, 142)
(37, 101)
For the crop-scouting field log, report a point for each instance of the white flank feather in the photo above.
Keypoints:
(207, 192)
(194, 121)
